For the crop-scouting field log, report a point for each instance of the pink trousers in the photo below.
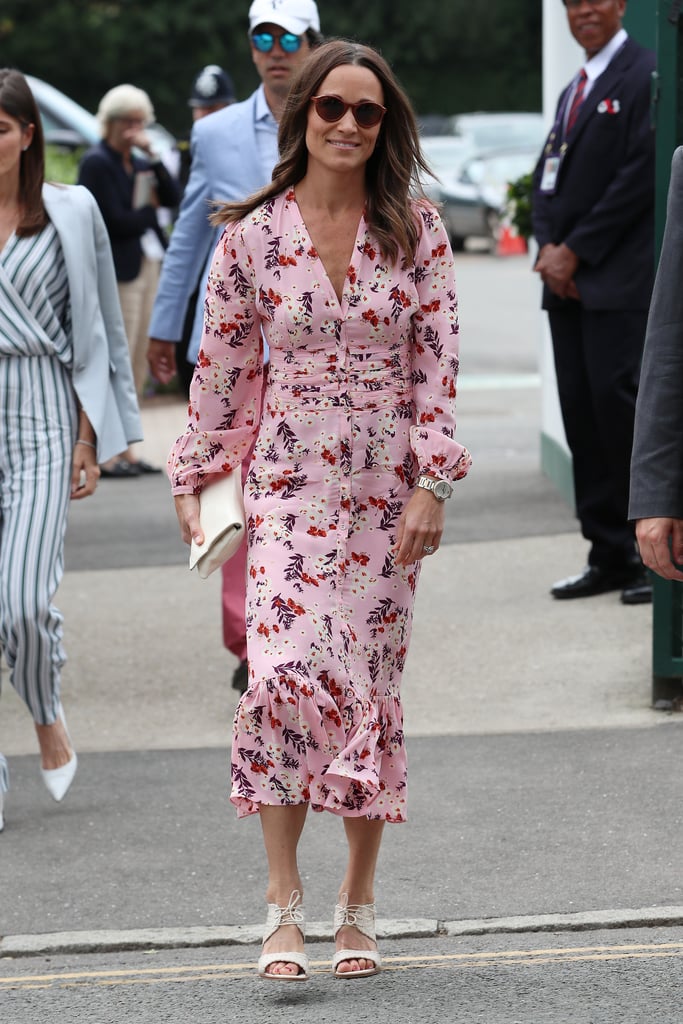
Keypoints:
(234, 594)
(234, 590)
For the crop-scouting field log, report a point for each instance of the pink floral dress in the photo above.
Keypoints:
(359, 400)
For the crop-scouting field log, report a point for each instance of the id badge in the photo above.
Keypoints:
(551, 169)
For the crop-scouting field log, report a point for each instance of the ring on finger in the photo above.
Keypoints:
(428, 549)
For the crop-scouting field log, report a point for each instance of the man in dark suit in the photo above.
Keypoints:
(657, 463)
(593, 219)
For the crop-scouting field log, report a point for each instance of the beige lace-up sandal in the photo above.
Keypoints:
(293, 913)
(362, 917)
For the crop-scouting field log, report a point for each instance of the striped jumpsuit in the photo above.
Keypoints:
(38, 422)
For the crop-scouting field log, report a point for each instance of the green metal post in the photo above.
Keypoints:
(667, 100)
(667, 115)
(639, 21)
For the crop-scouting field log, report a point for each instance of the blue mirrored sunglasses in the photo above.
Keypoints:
(265, 41)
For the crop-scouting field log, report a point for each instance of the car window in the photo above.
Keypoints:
(59, 112)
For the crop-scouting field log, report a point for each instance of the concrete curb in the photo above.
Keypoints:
(317, 931)
(589, 920)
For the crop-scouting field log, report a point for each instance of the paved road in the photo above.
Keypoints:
(594, 977)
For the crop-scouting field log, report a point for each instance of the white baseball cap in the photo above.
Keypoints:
(292, 15)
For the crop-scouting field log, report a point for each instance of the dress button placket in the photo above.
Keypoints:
(346, 448)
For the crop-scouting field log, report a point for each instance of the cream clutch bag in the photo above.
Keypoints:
(221, 513)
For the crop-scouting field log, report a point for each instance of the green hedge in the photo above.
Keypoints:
(61, 164)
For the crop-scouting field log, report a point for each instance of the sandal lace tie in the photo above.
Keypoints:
(293, 913)
(358, 915)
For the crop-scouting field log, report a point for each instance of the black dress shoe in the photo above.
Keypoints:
(637, 592)
(145, 467)
(595, 580)
(120, 470)
(240, 678)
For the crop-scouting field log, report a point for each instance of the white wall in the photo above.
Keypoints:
(562, 57)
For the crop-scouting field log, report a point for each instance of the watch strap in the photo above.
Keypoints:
(428, 482)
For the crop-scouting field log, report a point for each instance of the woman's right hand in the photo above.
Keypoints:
(660, 540)
(187, 510)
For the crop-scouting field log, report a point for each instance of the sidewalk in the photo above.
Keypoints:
(533, 749)
(499, 655)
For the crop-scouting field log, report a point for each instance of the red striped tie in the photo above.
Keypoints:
(576, 101)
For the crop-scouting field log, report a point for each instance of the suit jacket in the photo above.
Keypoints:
(603, 206)
(103, 173)
(657, 460)
(225, 166)
(101, 373)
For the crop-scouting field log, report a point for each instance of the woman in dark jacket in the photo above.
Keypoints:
(129, 189)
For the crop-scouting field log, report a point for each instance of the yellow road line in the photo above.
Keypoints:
(438, 961)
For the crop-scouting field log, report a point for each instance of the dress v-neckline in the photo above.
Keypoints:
(340, 301)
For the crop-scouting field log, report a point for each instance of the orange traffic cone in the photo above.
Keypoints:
(510, 243)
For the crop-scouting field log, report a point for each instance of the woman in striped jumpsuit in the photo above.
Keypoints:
(67, 402)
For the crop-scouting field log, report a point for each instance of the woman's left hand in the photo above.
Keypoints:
(187, 510)
(419, 528)
(84, 471)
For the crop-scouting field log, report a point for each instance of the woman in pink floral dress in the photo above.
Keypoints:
(351, 283)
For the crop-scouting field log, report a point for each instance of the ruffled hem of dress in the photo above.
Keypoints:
(245, 808)
(359, 771)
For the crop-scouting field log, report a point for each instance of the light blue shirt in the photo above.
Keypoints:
(266, 135)
(233, 154)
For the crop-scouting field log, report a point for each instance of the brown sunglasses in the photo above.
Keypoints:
(332, 108)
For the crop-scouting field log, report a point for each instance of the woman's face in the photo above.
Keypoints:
(14, 139)
(124, 131)
(343, 145)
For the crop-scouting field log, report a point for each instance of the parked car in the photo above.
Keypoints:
(474, 203)
(510, 130)
(69, 125)
(445, 154)
(65, 122)
(435, 124)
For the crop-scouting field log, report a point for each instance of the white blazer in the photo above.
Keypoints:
(102, 375)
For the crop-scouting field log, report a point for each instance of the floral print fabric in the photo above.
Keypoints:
(359, 400)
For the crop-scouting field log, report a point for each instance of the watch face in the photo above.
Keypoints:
(442, 490)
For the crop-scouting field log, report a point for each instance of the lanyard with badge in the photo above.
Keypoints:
(555, 148)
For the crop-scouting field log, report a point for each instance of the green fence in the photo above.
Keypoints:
(665, 20)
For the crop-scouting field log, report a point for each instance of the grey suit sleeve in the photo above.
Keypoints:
(657, 460)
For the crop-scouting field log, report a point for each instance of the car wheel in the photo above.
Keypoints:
(457, 243)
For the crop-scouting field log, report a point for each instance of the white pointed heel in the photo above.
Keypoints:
(362, 918)
(293, 913)
(58, 780)
(2, 804)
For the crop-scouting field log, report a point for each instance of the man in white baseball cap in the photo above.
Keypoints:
(281, 34)
(233, 152)
(295, 16)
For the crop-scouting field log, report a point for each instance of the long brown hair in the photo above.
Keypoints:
(16, 99)
(392, 172)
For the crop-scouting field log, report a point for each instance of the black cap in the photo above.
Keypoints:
(211, 85)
